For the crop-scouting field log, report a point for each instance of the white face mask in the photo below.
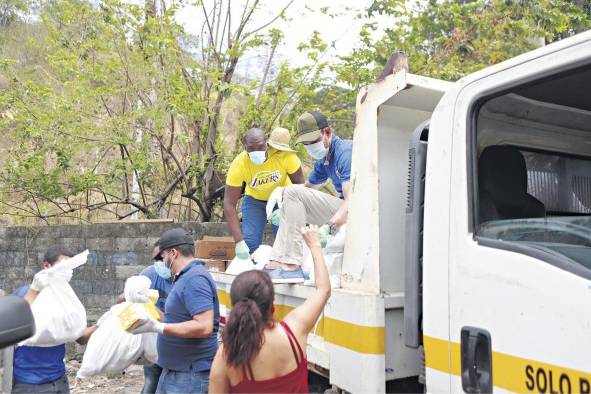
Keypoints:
(317, 150)
(258, 157)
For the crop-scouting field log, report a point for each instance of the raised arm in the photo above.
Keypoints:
(303, 318)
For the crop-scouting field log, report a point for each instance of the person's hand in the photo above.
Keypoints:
(276, 198)
(275, 217)
(242, 251)
(311, 235)
(147, 324)
(40, 281)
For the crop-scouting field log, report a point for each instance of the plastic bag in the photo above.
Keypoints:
(333, 257)
(261, 256)
(238, 266)
(59, 315)
(150, 352)
(137, 289)
(110, 349)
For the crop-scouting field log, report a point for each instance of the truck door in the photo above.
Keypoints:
(520, 226)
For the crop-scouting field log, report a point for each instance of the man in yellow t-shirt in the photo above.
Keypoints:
(262, 167)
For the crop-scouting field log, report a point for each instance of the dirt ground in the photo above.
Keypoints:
(131, 381)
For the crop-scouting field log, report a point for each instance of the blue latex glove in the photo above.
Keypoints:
(275, 217)
(242, 251)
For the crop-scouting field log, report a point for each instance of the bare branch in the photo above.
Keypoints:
(212, 44)
(265, 73)
(281, 13)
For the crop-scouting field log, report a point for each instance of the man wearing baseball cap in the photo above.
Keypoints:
(264, 167)
(187, 340)
(304, 204)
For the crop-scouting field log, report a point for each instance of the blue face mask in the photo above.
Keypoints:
(317, 150)
(258, 157)
(162, 270)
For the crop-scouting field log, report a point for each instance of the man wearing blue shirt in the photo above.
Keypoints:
(161, 280)
(304, 204)
(187, 340)
(42, 369)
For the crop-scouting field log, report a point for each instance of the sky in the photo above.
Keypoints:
(338, 25)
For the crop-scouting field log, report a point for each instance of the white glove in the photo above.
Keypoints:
(276, 198)
(40, 281)
(147, 324)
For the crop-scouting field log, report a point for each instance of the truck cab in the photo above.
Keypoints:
(467, 261)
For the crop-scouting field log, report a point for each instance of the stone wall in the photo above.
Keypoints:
(117, 251)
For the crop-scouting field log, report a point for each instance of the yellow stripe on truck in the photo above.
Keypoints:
(510, 372)
(361, 339)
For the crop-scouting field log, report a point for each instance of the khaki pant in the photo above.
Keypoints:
(301, 206)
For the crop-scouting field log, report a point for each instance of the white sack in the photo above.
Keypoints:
(137, 289)
(59, 315)
(333, 256)
(261, 256)
(238, 266)
(110, 349)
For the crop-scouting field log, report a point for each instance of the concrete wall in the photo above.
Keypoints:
(117, 251)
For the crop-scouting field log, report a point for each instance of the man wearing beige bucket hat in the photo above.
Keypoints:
(262, 167)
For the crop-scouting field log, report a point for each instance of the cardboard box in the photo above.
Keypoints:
(214, 238)
(216, 265)
(215, 248)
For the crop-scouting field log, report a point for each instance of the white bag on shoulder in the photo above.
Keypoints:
(59, 315)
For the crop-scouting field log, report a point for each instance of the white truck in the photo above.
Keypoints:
(467, 260)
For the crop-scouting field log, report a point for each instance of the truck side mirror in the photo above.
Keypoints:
(17, 321)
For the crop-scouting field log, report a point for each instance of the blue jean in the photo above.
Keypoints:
(151, 377)
(254, 219)
(59, 386)
(172, 382)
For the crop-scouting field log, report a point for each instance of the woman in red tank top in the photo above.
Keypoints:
(257, 355)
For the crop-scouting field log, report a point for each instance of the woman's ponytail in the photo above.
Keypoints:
(252, 300)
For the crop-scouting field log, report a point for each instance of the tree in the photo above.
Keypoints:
(119, 98)
(450, 39)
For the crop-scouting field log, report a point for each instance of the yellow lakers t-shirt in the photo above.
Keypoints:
(262, 179)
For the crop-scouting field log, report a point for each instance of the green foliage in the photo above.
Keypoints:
(450, 39)
(114, 115)
(112, 110)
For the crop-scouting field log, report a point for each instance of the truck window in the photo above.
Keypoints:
(533, 170)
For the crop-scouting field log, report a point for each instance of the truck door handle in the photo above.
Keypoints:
(476, 358)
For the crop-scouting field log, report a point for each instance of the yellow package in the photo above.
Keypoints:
(153, 296)
(131, 313)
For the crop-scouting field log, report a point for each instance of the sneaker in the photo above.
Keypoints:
(280, 275)
(269, 270)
